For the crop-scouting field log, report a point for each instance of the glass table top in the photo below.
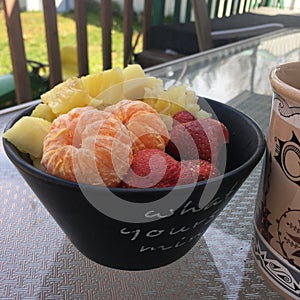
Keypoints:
(226, 72)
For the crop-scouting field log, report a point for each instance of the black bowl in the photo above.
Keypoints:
(135, 229)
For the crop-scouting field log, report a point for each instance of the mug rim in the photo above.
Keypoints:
(281, 86)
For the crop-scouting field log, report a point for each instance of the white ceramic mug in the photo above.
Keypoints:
(276, 243)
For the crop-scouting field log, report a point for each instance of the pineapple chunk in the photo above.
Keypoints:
(164, 105)
(173, 100)
(133, 71)
(43, 111)
(28, 134)
(134, 89)
(66, 96)
(136, 82)
(105, 87)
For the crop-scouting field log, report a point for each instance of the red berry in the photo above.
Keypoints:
(183, 117)
(196, 170)
(152, 168)
(217, 128)
(199, 139)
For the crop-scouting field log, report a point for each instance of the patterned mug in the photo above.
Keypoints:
(276, 244)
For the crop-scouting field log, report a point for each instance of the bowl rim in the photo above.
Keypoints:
(28, 168)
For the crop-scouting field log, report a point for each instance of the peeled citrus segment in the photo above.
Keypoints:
(66, 96)
(88, 146)
(125, 109)
(28, 134)
(43, 111)
(62, 131)
(146, 128)
(110, 143)
(147, 131)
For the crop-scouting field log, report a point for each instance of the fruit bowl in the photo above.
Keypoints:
(140, 229)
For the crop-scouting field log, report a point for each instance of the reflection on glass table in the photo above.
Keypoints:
(226, 72)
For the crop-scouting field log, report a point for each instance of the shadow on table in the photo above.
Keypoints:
(73, 276)
(204, 273)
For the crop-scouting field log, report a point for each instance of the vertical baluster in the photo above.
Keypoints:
(106, 24)
(241, 6)
(147, 22)
(247, 5)
(220, 12)
(188, 11)
(53, 50)
(128, 31)
(158, 7)
(235, 7)
(176, 13)
(81, 36)
(17, 50)
(213, 9)
(228, 10)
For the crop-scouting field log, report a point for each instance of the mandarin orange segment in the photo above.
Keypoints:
(62, 129)
(147, 130)
(125, 109)
(110, 143)
(88, 146)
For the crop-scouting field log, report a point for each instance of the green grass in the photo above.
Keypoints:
(35, 43)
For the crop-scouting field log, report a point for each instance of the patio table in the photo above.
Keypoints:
(37, 260)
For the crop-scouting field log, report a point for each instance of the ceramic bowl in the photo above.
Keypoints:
(140, 229)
